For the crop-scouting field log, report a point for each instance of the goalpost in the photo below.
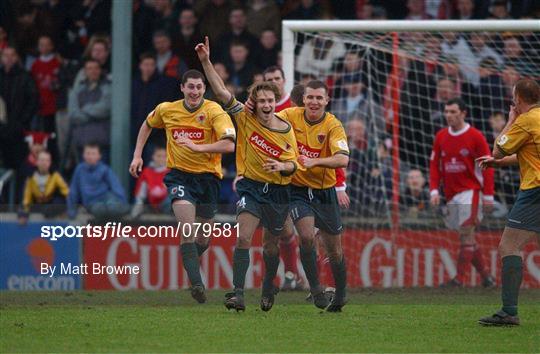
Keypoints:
(388, 83)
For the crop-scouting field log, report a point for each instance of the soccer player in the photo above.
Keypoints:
(268, 147)
(466, 188)
(198, 131)
(323, 147)
(518, 143)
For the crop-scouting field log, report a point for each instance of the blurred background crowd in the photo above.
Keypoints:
(55, 89)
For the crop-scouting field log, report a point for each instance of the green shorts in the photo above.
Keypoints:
(322, 204)
(268, 202)
(201, 189)
(525, 214)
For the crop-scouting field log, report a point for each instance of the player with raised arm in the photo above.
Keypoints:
(467, 189)
(518, 143)
(323, 148)
(198, 131)
(268, 147)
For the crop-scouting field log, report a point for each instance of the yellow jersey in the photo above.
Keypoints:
(323, 138)
(523, 139)
(204, 124)
(54, 183)
(257, 143)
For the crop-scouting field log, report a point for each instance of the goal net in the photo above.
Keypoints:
(389, 83)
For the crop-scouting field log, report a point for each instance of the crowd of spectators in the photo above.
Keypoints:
(55, 86)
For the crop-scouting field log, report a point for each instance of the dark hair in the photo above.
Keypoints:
(146, 55)
(192, 74)
(238, 43)
(92, 145)
(297, 95)
(460, 103)
(272, 69)
(317, 84)
(528, 90)
(161, 33)
(90, 60)
(263, 86)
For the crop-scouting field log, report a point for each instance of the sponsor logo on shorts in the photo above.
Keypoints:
(267, 148)
(307, 151)
(190, 133)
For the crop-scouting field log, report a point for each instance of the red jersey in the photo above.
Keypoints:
(45, 74)
(285, 102)
(453, 162)
(150, 186)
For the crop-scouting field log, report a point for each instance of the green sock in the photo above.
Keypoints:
(339, 271)
(512, 273)
(201, 248)
(309, 262)
(191, 263)
(240, 267)
(271, 264)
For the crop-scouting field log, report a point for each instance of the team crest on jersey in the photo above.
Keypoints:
(200, 118)
(321, 137)
(464, 152)
(287, 146)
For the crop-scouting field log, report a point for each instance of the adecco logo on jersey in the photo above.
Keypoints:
(22, 251)
(307, 151)
(190, 133)
(260, 143)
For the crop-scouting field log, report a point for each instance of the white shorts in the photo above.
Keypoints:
(464, 209)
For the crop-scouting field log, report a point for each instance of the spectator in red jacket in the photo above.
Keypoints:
(150, 187)
(45, 72)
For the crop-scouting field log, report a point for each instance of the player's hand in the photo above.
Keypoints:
(249, 106)
(203, 50)
(272, 165)
(343, 199)
(136, 167)
(187, 142)
(235, 180)
(485, 162)
(435, 200)
(306, 161)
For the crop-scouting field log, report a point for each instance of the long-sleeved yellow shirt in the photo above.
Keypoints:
(32, 193)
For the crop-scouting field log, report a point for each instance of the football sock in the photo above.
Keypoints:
(271, 264)
(287, 250)
(191, 263)
(479, 264)
(464, 259)
(512, 273)
(309, 262)
(240, 267)
(339, 271)
(201, 248)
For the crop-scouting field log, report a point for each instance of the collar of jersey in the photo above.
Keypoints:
(315, 122)
(459, 132)
(286, 130)
(191, 110)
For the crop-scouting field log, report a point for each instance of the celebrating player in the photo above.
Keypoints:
(198, 132)
(453, 163)
(518, 143)
(322, 143)
(269, 155)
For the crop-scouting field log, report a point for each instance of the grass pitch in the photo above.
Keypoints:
(410, 320)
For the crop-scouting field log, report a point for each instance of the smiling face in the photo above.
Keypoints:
(315, 101)
(265, 104)
(193, 91)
